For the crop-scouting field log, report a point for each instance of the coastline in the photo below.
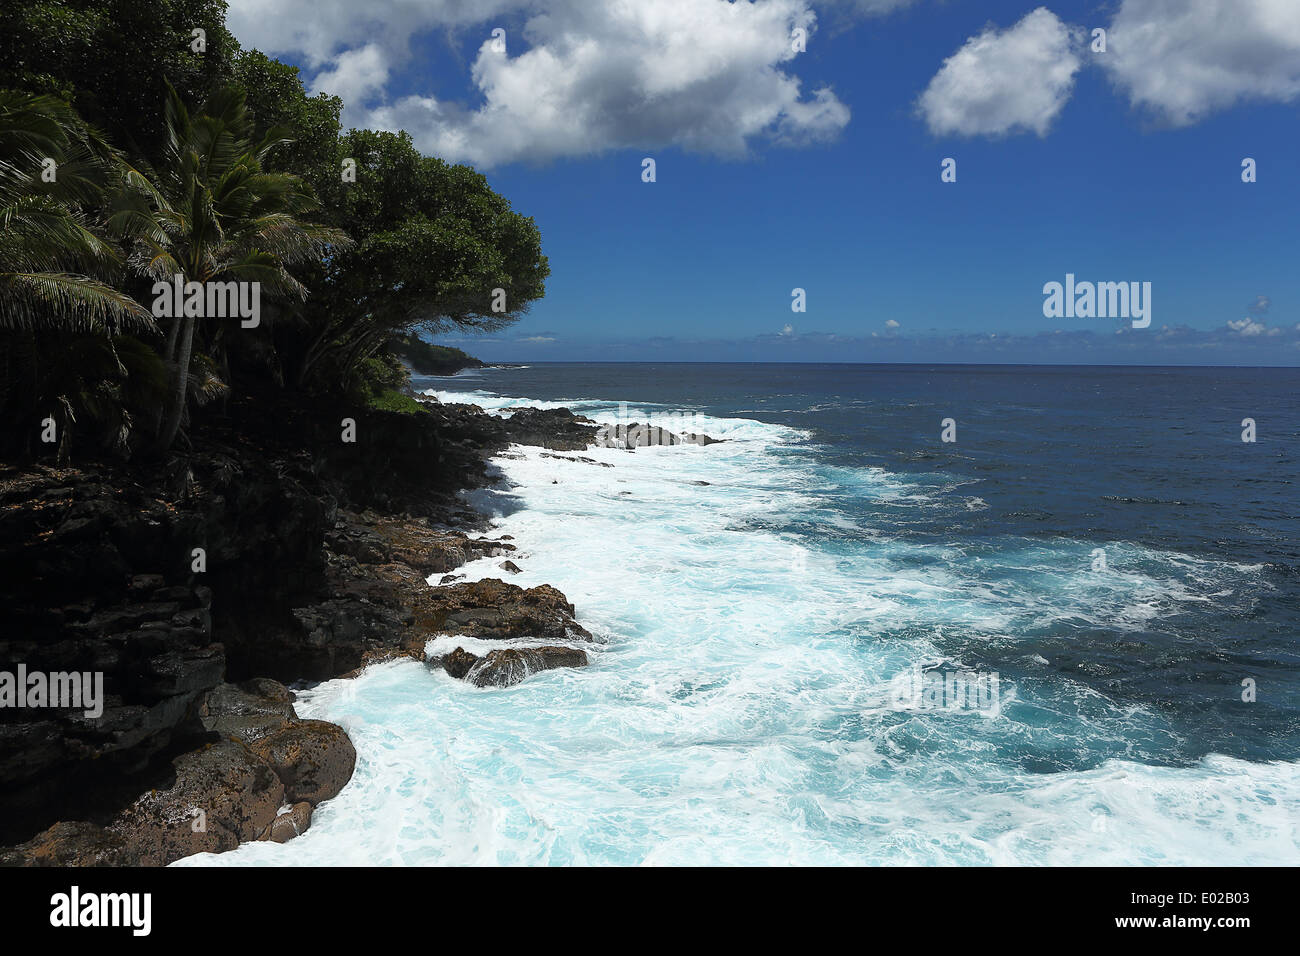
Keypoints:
(585, 767)
(317, 558)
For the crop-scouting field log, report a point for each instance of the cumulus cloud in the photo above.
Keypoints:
(1005, 81)
(1183, 59)
(320, 29)
(579, 79)
(1251, 327)
(1177, 60)
(1261, 305)
(356, 75)
(891, 324)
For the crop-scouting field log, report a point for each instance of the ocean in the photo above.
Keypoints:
(783, 618)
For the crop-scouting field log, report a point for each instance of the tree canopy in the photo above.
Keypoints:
(180, 154)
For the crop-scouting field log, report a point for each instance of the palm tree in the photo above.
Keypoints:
(53, 168)
(208, 212)
(55, 307)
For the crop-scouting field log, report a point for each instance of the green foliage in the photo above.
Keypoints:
(379, 373)
(429, 359)
(246, 188)
(52, 263)
(113, 59)
(310, 124)
(382, 381)
(391, 400)
(432, 243)
(61, 354)
(209, 212)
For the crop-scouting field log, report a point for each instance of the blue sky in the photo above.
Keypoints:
(1116, 166)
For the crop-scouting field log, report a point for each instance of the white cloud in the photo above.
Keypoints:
(1005, 81)
(891, 324)
(357, 75)
(1251, 327)
(583, 78)
(1184, 59)
(875, 8)
(321, 29)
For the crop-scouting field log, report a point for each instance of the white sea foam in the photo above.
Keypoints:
(737, 710)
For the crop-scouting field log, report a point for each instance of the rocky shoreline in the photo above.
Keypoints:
(314, 559)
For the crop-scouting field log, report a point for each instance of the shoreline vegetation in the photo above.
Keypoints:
(214, 479)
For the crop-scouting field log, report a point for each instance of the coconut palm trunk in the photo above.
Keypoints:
(210, 212)
(171, 422)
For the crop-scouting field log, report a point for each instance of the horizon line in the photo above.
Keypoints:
(505, 362)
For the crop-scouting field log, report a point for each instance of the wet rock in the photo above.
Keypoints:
(313, 759)
(289, 823)
(509, 666)
(317, 554)
(221, 796)
(637, 435)
(555, 428)
(340, 635)
(458, 662)
(372, 540)
(491, 608)
(509, 566)
(581, 458)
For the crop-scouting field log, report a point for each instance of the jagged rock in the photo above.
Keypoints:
(555, 428)
(508, 666)
(76, 843)
(491, 608)
(289, 823)
(222, 795)
(248, 711)
(580, 458)
(313, 759)
(404, 540)
(458, 662)
(300, 581)
(637, 435)
(337, 636)
(509, 566)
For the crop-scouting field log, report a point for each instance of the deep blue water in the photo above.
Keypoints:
(1146, 456)
(760, 602)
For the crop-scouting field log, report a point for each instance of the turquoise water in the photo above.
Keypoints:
(760, 603)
